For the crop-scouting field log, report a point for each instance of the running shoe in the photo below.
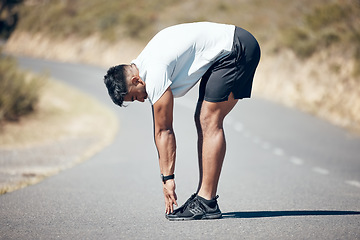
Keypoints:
(196, 208)
(180, 209)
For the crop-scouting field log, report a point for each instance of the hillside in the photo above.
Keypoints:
(310, 49)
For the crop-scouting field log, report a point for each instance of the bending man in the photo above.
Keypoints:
(225, 58)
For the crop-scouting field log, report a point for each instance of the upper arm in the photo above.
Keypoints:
(163, 112)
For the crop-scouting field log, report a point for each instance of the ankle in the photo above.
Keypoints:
(210, 203)
(205, 195)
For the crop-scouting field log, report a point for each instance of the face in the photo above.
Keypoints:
(136, 86)
(136, 93)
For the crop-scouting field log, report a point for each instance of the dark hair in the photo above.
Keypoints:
(115, 81)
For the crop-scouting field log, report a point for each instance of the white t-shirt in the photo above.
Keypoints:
(178, 56)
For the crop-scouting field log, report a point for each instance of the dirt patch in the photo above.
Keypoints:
(58, 136)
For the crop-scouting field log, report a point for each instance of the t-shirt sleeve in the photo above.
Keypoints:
(157, 81)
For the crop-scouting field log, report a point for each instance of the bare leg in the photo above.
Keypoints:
(209, 119)
(199, 142)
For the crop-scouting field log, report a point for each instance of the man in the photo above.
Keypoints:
(225, 58)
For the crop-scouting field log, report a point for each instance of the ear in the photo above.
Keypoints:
(135, 80)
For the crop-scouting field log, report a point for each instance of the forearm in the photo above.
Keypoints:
(166, 146)
(165, 143)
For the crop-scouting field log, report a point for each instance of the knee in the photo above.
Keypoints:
(202, 122)
(209, 122)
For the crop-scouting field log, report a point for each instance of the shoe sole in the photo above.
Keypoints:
(196, 217)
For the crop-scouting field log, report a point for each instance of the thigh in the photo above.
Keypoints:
(214, 112)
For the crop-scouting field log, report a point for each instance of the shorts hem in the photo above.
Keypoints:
(223, 99)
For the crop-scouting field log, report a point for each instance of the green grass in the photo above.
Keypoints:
(19, 93)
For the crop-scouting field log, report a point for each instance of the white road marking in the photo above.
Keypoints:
(354, 183)
(321, 170)
(296, 161)
(278, 152)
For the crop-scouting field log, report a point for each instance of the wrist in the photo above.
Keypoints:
(166, 178)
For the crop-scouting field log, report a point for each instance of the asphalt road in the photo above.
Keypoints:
(287, 175)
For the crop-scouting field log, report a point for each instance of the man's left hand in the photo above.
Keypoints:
(170, 195)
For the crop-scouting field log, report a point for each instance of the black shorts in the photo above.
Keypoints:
(233, 73)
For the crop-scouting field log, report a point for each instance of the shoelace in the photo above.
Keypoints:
(187, 202)
(193, 202)
(200, 203)
(197, 202)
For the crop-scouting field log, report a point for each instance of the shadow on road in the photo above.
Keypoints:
(264, 214)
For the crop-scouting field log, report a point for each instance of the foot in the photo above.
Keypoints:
(196, 208)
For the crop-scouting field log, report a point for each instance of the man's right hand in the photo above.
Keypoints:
(170, 195)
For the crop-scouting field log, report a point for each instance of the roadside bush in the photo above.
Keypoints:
(19, 93)
(300, 41)
(327, 24)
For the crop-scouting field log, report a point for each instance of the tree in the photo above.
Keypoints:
(8, 17)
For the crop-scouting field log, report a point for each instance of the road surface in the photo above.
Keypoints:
(286, 175)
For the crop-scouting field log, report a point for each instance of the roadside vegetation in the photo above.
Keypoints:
(334, 23)
(304, 27)
(86, 17)
(310, 49)
(19, 92)
(9, 17)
